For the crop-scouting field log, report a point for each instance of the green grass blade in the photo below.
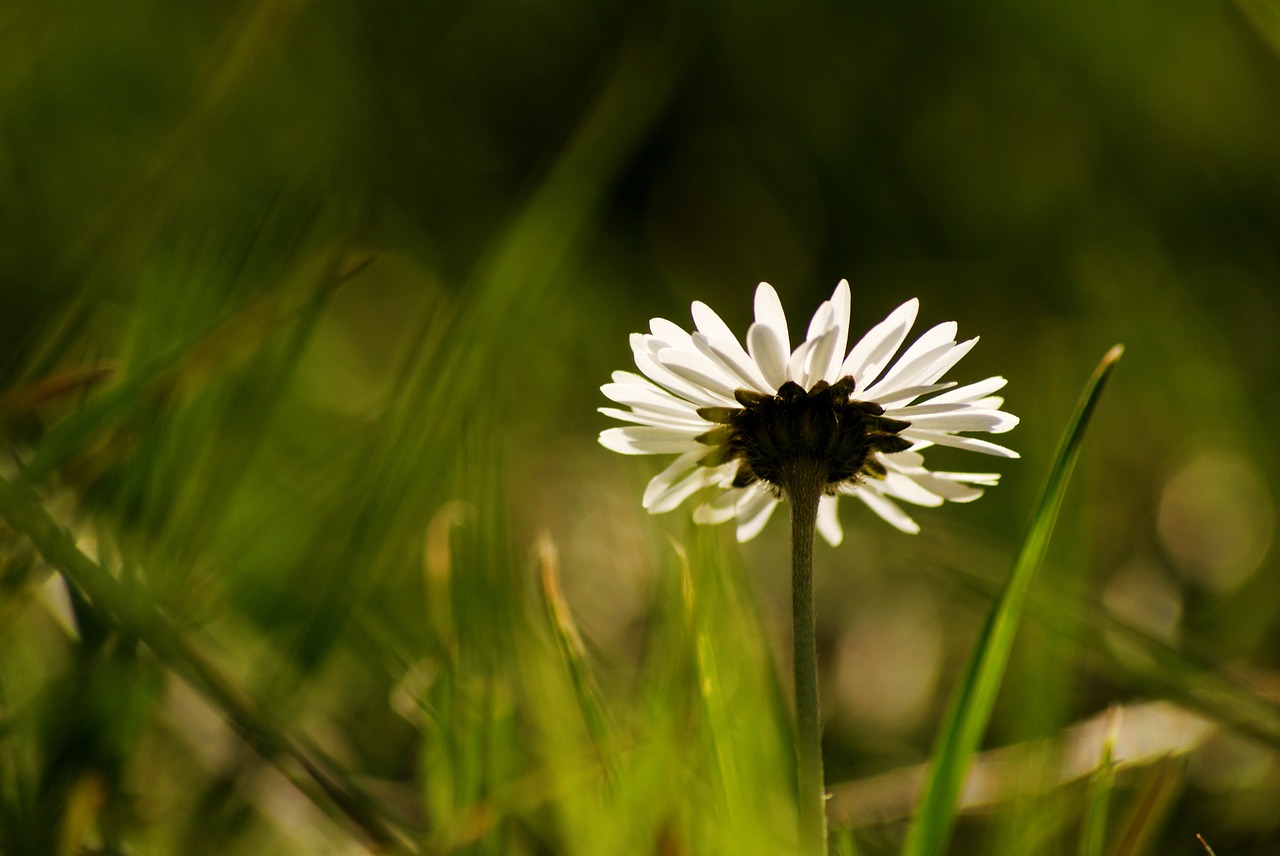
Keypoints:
(1093, 836)
(1190, 675)
(1160, 788)
(976, 695)
(323, 782)
(842, 842)
(573, 651)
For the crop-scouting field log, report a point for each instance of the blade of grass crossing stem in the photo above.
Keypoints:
(975, 697)
(1093, 836)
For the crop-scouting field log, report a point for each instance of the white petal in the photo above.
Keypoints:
(769, 353)
(798, 365)
(740, 365)
(939, 334)
(676, 483)
(720, 338)
(720, 509)
(971, 392)
(890, 513)
(985, 479)
(904, 373)
(944, 365)
(900, 396)
(902, 460)
(657, 420)
(700, 395)
(677, 469)
(829, 520)
(903, 487)
(841, 300)
(920, 365)
(973, 444)
(671, 334)
(957, 487)
(818, 364)
(711, 324)
(643, 440)
(697, 370)
(953, 490)
(654, 399)
(633, 379)
(753, 513)
(991, 421)
(925, 409)
(975, 478)
(823, 320)
(874, 351)
(769, 313)
(631, 388)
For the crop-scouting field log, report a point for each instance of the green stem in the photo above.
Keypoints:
(805, 481)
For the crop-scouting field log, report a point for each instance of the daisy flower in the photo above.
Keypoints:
(739, 419)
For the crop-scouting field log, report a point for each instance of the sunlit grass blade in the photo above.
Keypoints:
(571, 648)
(1093, 836)
(739, 802)
(1146, 815)
(842, 843)
(711, 691)
(976, 695)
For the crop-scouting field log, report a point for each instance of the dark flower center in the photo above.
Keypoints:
(771, 433)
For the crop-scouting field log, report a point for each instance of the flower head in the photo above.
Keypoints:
(737, 418)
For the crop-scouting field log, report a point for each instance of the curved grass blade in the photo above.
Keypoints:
(975, 697)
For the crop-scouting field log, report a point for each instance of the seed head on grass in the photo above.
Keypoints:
(738, 418)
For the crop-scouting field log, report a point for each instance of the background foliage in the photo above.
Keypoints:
(304, 308)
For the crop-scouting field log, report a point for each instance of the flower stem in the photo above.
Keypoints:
(804, 484)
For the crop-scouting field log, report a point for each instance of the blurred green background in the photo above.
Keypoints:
(304, 311)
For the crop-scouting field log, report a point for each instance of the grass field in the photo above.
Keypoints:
(306, 541)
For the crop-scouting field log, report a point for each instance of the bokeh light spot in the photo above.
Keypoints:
(889, 660)
(1216, 520)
